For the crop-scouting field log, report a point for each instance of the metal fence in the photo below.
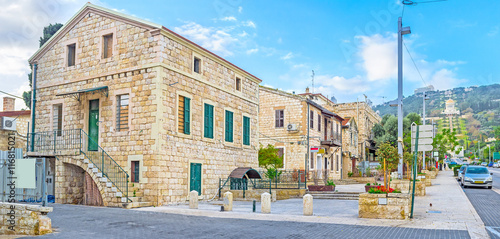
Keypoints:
(21, 194)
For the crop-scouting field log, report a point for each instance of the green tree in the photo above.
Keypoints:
(445, 142)
(497, 133)
(269, 159)
(389, 158)
(48, 32)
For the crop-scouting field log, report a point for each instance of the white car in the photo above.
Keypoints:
(495, 165)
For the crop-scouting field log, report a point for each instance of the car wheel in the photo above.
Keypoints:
(489, 187)
(465, 186)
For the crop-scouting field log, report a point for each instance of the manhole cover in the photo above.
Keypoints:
(433, 211)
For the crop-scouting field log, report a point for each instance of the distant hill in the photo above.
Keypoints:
(481, 104)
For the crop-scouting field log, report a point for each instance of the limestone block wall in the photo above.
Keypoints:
(406, 186)
(23, 219)
(69, 181)
(397, 207)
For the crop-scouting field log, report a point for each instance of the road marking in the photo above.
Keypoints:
(494, 231)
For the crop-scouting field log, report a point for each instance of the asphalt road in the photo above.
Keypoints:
(487, 204)
(74, 221)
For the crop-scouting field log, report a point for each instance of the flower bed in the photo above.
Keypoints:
(321, 187)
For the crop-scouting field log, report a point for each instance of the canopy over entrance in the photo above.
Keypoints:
(242, 171)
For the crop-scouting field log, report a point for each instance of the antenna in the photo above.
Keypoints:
(312, 81)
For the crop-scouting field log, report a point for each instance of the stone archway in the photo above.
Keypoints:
(78, 187)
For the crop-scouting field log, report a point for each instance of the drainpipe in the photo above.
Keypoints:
(308, 147)
(341, 154)
(33, 107)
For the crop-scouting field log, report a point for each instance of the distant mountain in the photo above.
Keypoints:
(480, 103)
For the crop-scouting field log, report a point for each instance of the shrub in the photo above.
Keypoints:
(368, 184)
(330, 183)
(349, 174)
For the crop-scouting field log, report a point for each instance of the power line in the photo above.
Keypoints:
(11, 95)
(425, 84)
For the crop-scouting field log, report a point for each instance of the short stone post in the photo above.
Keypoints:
(308, 205)
(193, 199)
(228, 201)
(265, 203)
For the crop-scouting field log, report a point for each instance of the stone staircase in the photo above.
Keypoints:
(136, 194)
(110, 194)
(346, 181)
(335, 195)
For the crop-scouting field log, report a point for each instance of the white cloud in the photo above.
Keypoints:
(249, 24)
(251, 51)
(217, 40)
(379, 56)
(230, 18)
(240, 9)
(243, 34)
(327, 83)
(445, 79)
(287, 56)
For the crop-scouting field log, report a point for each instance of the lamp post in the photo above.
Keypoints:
(424, 98)
(401, 32)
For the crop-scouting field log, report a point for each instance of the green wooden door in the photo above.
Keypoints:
(93, 125)
(195, 178)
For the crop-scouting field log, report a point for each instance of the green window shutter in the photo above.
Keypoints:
(246, 130)
(187, 122)
(229, 126)
(209, 121)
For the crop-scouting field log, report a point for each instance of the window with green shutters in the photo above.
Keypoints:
(184, 115)
(246, 130)
(209, 121)
(229, 126)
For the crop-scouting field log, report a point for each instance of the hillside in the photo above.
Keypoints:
(479, 108)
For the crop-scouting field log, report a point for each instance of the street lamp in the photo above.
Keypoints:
(424, 98)
(401, 32)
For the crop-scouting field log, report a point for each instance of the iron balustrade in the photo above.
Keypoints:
(76, 142)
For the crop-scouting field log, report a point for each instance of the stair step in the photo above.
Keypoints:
(113, 189)
(137, 204)
(109, 184)
(91, 165)
(95, 170)
(137, 193)
(118, 194)
(103, 180)
(136, 199)
(99, 175)
(85, 160)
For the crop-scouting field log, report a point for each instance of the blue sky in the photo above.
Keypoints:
(351, 45)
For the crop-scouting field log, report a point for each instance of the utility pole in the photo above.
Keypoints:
(424, 98)
(401, 32)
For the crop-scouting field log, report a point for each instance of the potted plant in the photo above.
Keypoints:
(330, 186)
(368, 186)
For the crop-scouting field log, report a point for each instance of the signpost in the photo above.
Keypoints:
(425, 137)
(314, 150)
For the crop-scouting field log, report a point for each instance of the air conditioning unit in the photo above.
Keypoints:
(8, 123)
(292, 127)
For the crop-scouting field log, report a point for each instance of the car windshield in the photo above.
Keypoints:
(462, 168)
(477, 171)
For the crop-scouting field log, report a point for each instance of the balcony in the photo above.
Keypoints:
(334, 139)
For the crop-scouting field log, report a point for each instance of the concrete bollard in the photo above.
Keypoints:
(193, 199)
(308, 205)
(265, 203)
(228, 201)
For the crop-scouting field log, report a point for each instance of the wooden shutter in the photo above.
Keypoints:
(229, 126)
(108, 49)
(187, 122)
(246, 130)
(180, 114)
(209, 121)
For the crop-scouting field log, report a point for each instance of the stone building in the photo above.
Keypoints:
(365, 118)
(21, 119)
(450, 109)
(350, 153)
(135, 112)
(283, 122)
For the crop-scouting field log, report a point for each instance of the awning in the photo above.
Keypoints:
(242, 171)
(103, 90)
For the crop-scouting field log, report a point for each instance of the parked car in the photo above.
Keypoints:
(460, 173)
(490, 164)
(495, 165)
(477, 176)
(484, 164)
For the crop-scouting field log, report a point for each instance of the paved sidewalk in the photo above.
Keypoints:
(451, 210)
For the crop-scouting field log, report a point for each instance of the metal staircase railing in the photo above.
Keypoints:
(75, 142)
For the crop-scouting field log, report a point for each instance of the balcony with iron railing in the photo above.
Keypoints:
(75, 142)
(332, 139)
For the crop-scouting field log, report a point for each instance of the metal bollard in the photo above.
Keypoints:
(221, 208)
(254, 205)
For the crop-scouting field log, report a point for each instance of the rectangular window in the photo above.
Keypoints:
(209, 121)
(337, 163)
(311, 119)
(135, 171)
(319, 122)
(229, 126)
(71, 54)
(311, 160)
(122, 102)
(58, 119)
(331, 163)
(246, 130)
(197, 65)
(279, 118)
(184, 115)
(238, 84)
(107, 47)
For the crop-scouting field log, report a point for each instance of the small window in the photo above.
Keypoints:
(337, 163)
(209, 121)
(311, 119)
(319, 122)
(279, 118)
(58, 119)
(229, 126)
(331, 164)
(238, 84)
(311, 161)
(197, 65)
(107, 47)
(246, 130)
(122, 112)
(71, 54)
(135, 171)
(184, 115)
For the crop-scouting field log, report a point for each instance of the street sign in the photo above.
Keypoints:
(425, 147)
(314, 150)
(421, 135)
(436, 154)
(422, 141)
(421, 128)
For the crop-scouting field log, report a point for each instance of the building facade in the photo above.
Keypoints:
(21, 119)
(143, 113)
(350, 153)
(286, 120)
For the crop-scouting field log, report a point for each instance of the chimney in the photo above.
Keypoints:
(9, 104)
(307, 90)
